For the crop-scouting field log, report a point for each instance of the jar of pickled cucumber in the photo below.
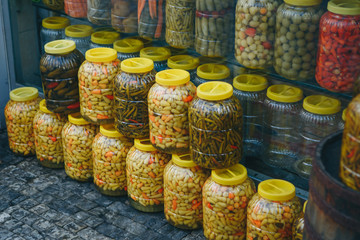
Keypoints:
(226, 195)
(168, 101)
(54, 4)
(145, 171)
(159, 55)
(184, 62)
(132, 86)
(250, 89)
(19, 113)
(53, 28)
(96, 79)
(124, 16)
(103, 39)
(272, 211)
(99, 12)
(77, 138)
(81, 35)
(128, 48)
(183, 182)
(212, 72)
(298, 226)
(215, 119)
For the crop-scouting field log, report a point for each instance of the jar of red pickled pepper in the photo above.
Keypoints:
(339, 46)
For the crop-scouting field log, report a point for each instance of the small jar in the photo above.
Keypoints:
(48, 143)
(59, 68)
(183, 182)
(77, 138)
(99, 12)
(250, 89)
(168, 100)
(212, 72)
(53, 28)
(19, 114)
(109, 151)
(226, 195)
(128, 48)
(146, 41)
(159, 55)
(298, 226)
(184, 62)
(132, 86)
(103, 39)
(54, 4)
(215, 119)
(151, 20)
(76, 8)
(145, 170)
(124, 16)
(272, 211)
(81, 35)
(96, 79)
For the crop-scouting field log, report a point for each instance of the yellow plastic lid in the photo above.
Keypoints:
(284, 93)
(155, 53)
(109, 131)
(24, 94)
(250, 83)
(276, 190)
(213, 71)
(304, 208)
(145, 40)
(144, 145)
(104, 37)
(137, 65)
(184, 62)
(78, 31)
(172, 77)
(323, 105)
(55, 22)
(344, 7)
(304, 3)
(101, 55)
(60, 46)
(217, 60)
(42, 106)
(233, 175)
(183, 160)
(128, 45)
(214, 91)
(344, 114)
(77, 119)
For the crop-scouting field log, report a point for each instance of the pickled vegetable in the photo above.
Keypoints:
(151, 15)
(54, 4)
(99, 12)
(298, 226)
(124, 15)
(76, 8)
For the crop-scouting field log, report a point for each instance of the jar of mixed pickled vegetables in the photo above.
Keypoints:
(272, 211)
(168, 100)
(298, 226)
(19, 114)
(77, 138)
(215, 119)
(159, 55)
(132, 86)
(59, 68)
(145, 171)
(226, 195)
(81, 35)
(250, 89)
(128, 48)
(54, 4)
(124, 16)
(151, 15)
(212, 72)
(99, 12)
(103, 39)
(184, 62)
(96, 79)
(53, 28)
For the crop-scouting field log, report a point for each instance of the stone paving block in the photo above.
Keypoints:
(59, 233)
(81, 216)
(51, 215)
(64, 220)
(23, 230)
(98, 211)
(42, 197)
(89, 233)
(110, 231)
(154, 236)
(34, 235)
(11, 209)
(19, 199)
(12, 224)
(123, 209)
(4, 205)
(42, 225)
(39, 209)
(4, 217)
(63, 206)
(5, 234)
(173, 232)
(83, 203)
(136, 228)
(30, 219)
(20, 213)
(10, 195)
(30, 191)
(74, 227)
(93, 221)
(15, 238)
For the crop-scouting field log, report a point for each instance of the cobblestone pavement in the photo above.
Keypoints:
(41, 203)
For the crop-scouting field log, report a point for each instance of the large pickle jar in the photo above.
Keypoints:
(109, 151)
(183, 182)
(226, 195)
(151, 16)
(48, 143)
(216, 121)
(272, 211)
(168, 100)
(212, 72)
(96, 79)
(159, 55)
(298, 226)
(99, 12)
(103, 39)
(81, 35)
(297, 30)
(124, 15)
(128, 48)
(77, 138)
(145, 172)
(132, 86)
(59, 69)
(184, 62)
(54, 4)
(53, 28)
(19, 114)
(76, 8)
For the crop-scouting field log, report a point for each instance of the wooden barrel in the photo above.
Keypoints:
(333, 209)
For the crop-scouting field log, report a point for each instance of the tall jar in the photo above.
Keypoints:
(53, 28)
(59, 68)
(81, 35)
(76, 8)
(215, 119)
(159, 55)
(109, 151)
(128, 48)
(124, 17)
(338, 57)
(19, 113)
(184, 62)
(54, 4)
(77, 138)
(99, 12)
(250, 89)
(132, 86)
(298, 226)
(103, 39)
(96, 79)
(151, 19)
(168, 100)
(145, 173)
(226, 195)
(281, 141)
(48, 143)
(272, 211)
(297, 30)
(212, 72)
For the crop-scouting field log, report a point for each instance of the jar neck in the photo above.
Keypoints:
(340, 16)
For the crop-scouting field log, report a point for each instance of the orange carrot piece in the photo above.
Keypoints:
(96, 91)
(160, 20)
(100, 116)
(109, 154)
(141, 5)
(157, 202)
(174, 204)
(231, 195)
(151, 174)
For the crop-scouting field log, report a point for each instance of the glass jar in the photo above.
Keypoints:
(81, 35)
(76, 8)
(250, 89)
(109, 150)
(146, 41)
(48, 143)
(298, 226)
(281, 141)
(124, 15)
(103, 39)
(210, 72)
(145, 170)
(54, 4)
(96, 79)
(77, 137)
(128, 48)
(19, 114)
(184, 62)
(168, 100)
(356, 88)
(183, 182)
(53, 28)
(151, 20)
(132, 86)
(99, 12)
(59, 69)
(215, 119)
(159, 55)
(226, 195)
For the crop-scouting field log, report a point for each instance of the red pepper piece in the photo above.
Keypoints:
(52, 85)
(74, 106)
(111, 97)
